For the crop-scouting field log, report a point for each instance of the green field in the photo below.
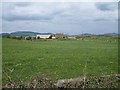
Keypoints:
(59, 59)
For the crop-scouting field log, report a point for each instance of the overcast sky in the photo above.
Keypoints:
(65, 17)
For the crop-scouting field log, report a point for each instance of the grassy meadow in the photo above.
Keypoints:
(59, 59)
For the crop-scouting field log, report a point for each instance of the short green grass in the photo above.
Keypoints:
(58, 59)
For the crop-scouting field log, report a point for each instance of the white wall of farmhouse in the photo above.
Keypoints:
(43, 36)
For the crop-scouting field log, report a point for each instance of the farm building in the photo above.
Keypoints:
(71, 37)
(59, 35)
(53, 36)
(43, 36)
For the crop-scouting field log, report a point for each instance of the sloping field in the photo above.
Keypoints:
(58, 59)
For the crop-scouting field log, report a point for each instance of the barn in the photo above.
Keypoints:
(50, 36)
(59, 35)
(43, 36)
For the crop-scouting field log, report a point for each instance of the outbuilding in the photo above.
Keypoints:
(43, 36)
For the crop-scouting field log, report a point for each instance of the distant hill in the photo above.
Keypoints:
(105, 34)
(27, 33)
(109, 34)
(87, 34)
(5, 34)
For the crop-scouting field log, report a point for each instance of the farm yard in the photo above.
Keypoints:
(58, 59)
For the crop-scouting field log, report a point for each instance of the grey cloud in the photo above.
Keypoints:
(22, 4)
(36, 17)
(106, 6)
(101, 19)
(23, 18)
(28, 17)
(12, 15)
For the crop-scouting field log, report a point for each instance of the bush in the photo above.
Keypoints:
(28, 38)
(13, 37)
(19, 38)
